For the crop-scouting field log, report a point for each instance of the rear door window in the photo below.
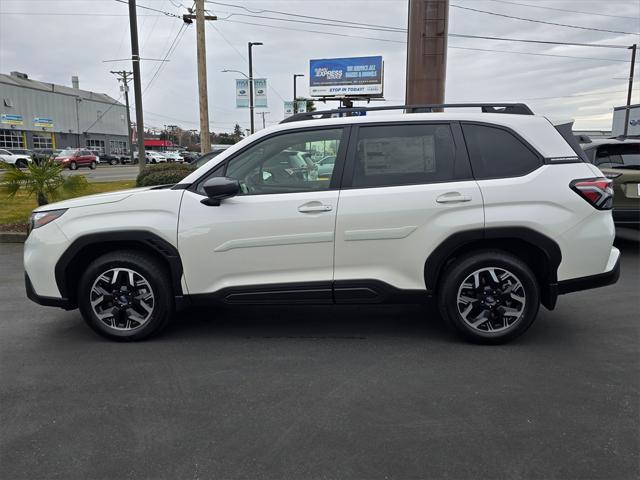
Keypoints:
(497, 153)
(406, 154)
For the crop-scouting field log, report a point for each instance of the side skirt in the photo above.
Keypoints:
(312, 293)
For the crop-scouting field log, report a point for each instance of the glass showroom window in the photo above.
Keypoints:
(117, 147)
(11, 139)
(96, 145)
(42, 141)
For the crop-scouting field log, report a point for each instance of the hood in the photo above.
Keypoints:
(97, 199)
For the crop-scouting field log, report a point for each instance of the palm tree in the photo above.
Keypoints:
(44, 180)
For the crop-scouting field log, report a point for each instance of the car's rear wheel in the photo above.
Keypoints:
(489, 297)
(92, 165)
(125, 296)
(21, 163)
(73, 165)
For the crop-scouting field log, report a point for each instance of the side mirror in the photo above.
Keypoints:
(219, 188)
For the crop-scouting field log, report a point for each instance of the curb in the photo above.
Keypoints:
(12, 237)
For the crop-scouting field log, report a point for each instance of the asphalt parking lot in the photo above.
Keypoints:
(326, 393)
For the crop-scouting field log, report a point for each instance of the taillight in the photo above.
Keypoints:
(596, 191)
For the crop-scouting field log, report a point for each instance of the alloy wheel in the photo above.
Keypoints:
(122, 299)
(491, 300)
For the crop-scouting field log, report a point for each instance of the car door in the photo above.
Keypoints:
(407, 187)
(275, 239)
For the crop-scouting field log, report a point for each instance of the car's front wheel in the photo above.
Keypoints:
(489, 296)
(73, 166)
(92, 165)
(21, 163)
(125, 296)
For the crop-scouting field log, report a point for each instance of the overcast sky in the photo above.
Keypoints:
(51, 40)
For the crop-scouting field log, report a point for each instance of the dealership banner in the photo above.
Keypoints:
(302, 106)
(43, 122)
(339, 77)
(242, 93)
(260, 92)
(9, 119)
(288, 109)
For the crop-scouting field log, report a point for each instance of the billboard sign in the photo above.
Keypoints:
(242, 93)
(288, 109)
(260, 91)
(9, 119)
(341, 77)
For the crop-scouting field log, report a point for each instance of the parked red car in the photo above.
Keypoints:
(76, 158)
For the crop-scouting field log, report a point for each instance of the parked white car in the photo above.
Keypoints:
(19, 160)
(173, 156)
(151, 157)
(490, 214)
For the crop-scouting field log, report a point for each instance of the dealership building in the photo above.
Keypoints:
(36, 114)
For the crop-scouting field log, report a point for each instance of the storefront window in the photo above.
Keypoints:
(96, 145)
(11, 139)
(42, 141)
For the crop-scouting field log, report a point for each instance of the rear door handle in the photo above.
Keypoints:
(453, 197)
(314, 208)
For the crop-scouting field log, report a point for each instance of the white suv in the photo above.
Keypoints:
(492, 214)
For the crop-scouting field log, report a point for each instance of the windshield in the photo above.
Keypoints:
(67, 153)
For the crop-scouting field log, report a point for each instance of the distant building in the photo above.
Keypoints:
(36, 114)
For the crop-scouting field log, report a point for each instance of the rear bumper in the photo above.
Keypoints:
(626, 217)
(46, 301)
(593, 281)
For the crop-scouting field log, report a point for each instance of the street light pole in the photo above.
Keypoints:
(251, 44)
(295, 104)
(633, 49)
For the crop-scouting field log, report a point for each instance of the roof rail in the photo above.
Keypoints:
(510, 108)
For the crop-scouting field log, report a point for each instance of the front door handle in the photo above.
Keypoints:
(314, 207)
(453, 197)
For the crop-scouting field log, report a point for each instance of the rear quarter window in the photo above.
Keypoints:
(497, 153)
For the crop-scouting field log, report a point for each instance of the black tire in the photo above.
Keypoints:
(157, 278)
(92, 165)
(113, 161)
(73, 166)
(21, 163)
(153, 161)
(488, 298)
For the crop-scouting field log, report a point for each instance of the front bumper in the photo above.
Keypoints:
(593, 281)
(46, 301)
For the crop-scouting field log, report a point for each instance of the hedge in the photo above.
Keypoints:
(163, 174)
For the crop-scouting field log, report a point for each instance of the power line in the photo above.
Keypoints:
(542, 21)
(561, 9)
(168, 14)
(546, 42)
(541, 54)
(278, 12)
(172, 48)
(243, 57)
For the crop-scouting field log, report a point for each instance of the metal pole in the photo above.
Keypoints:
(251, 87)
(205, 138)
(632, 68)
(295, 104)
(137, 84)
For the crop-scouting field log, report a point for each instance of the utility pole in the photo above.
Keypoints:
(124, 77)
(428, 27)
(200, 17)
(263, 114)
(137, 83)
(295, 95)
(633, 49)
(251, 108)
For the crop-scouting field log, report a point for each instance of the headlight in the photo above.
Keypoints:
(39, 219)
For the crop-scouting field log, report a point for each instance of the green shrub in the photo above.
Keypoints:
(163, 174)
